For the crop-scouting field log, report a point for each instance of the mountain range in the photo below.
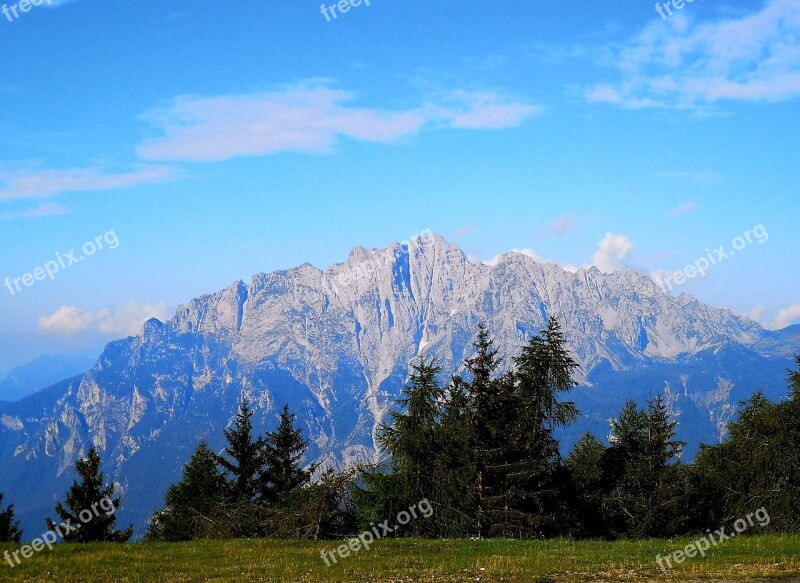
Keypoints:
(336, 346)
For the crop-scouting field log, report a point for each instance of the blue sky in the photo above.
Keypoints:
(218, 140)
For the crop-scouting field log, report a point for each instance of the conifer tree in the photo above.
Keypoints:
(532, 499)
(585, 465)
(91, 506)
(643, 487)
(283, 450)
(414, 439)
(759, 464)
(9, 528)
(243, 459)
(190, 504)
(488, 394)
(457, 504)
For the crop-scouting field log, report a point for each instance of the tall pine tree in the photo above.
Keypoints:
(190, 505)
(643, 487)
(531, 502)
(413, 440)
(89, 505)
(283, 451)
(491, 400)
(243, 459)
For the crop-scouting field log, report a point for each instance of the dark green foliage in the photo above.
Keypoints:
(535, 480)
(490, 402)
(268, 494)
(456, 503)
(283, 450)
(90, 498)
(759, 465)
(642, 490)
(414, 441)
(190, 504)
(585, 464)
(9, 528)
(243, 455)
(483, 452)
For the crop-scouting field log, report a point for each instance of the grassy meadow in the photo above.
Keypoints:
(743, 559)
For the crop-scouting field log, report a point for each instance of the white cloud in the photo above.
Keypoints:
(488, 110)
(786, 317)
(684, 209)
(125, 321)
(681, 63)
(309, 118)
(612, 253)
(45, 210)
(47, 183)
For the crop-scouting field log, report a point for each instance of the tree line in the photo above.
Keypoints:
(482, 450)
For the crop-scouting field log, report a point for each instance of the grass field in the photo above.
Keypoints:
(406, 560)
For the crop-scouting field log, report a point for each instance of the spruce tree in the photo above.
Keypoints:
(190, 504)
(643, 487)
(90, 506)
(283, 451)
(488, 395)
(455, 464)
(413, 439)
(535, 477)
(585, 466)
(243, 459)
(759, 464)
(9, 528)
(623, 469)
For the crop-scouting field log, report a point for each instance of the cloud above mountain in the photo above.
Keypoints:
(612, 253)
(311, 118)
(682, 63)
(124, 321)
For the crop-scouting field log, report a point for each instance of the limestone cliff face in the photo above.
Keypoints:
(335, 346)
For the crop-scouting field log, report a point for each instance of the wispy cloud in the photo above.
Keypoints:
(684, 209)
(680, 63)
(127, 321)
(45, 210)
(30, 184)
(309, 118)
(463, 231)
(564, 224)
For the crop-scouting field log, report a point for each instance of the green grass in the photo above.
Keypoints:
(741, 559)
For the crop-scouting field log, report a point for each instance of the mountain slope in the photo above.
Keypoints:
(335, 346)
(41, 372)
